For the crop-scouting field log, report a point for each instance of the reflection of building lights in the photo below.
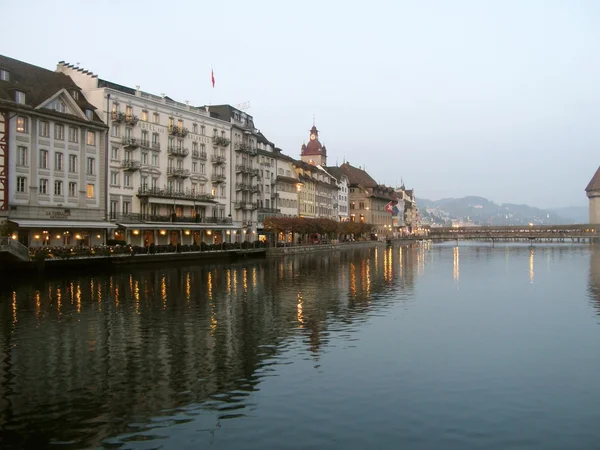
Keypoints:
(531, 271)
(163, 232)
(136, 232)
(456, 264)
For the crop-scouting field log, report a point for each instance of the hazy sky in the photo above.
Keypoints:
(498, 99)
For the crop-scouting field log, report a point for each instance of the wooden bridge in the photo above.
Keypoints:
(531, 233)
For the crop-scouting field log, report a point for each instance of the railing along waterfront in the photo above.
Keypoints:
(548, 232)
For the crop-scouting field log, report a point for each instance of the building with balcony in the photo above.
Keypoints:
(368, 199)
(52, 152)
(167, 160)
(247, 176)
(287, 186)
(342, 206)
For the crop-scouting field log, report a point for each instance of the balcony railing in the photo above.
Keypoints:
(177, 172)
(175, 130)
(248, 206)
(144, 143)
(269, 211)
(116, 116)
(198, 154)
(140, 218)
(186, 194)
(218, 159)
(243, 187)
(218, 178)
(129, 164)
(131, 142)
(178, 151)
(243, 147)
(223, 142)
(130, 119)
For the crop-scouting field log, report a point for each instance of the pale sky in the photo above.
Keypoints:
(492, 98)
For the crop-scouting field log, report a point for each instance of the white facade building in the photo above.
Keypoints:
(51, 158)
(170, 166)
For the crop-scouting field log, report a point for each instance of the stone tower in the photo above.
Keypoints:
(314, 153)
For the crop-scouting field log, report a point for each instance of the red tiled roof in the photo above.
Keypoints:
(358, 176)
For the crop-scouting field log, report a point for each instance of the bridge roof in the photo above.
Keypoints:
(594, 184)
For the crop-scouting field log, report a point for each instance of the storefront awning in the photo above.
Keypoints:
(81, 225)
(179, 226)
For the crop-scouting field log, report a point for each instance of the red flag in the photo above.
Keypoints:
(389, 207)
(212, 77)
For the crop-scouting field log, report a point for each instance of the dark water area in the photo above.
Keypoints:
(422, 347)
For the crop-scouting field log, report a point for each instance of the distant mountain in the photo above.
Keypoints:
(481, 211)
(574, 214)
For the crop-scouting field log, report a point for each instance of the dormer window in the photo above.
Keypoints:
(60, 106)
(4, 75)
(89, 114)
(20, 97)
(75, 95)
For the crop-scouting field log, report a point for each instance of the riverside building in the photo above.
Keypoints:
(170, 166)
(52, 159)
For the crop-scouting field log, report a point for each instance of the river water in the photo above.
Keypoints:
(422, 347)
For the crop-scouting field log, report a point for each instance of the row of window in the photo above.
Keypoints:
(171, 121)
(43, 187)
(44, 161)
(59, 131)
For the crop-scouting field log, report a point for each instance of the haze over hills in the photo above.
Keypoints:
(473, 210)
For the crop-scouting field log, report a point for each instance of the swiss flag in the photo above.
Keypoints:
(389, 207)
(212, 77)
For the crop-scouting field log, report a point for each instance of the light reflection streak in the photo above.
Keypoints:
(188, 286)
(456, 263)
(228, 273)
(78, 297)
(299, 314)
(58, 300)
(209, 285)
(163, 290)
(136, 296)
(400, 260)
(245, 279)
(14, 307)
(38, 305)
(352, 279)
(531, 271)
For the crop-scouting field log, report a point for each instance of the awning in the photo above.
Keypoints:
(179, 226)
(32, 223)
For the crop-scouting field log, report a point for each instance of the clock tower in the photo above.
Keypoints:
(314, 153)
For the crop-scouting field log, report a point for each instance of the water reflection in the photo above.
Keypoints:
(84, 358)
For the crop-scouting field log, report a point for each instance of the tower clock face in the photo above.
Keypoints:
(312, 137)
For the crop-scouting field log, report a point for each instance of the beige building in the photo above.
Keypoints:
(168, 165)
(368, 200)
(52, 153)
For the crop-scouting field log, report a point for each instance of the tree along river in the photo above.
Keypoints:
(419, 347)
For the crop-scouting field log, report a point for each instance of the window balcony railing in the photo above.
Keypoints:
(222, 141)
(116, 116)
(186, 194)
(131, 142)
(155, 146)
(130, 119)
(175, 130)
(144, 143)
(141, 218)
(248, 206)
(241, 168)
(218, 178)
(178, 151)
(218, 159)
(177, 172)
(246, 148)
(243, 187)
(129, 164)
(198, 154)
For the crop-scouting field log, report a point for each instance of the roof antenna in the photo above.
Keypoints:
(313, 120)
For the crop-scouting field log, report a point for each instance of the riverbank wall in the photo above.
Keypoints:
(282, 251)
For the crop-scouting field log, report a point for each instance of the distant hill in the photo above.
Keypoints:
(574, 214)
(481, 211)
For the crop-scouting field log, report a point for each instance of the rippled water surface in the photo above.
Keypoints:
(428, 347)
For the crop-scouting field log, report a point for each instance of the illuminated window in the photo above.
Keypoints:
(90, 191)
(22, 124)
(91, 138)
(145, 116)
